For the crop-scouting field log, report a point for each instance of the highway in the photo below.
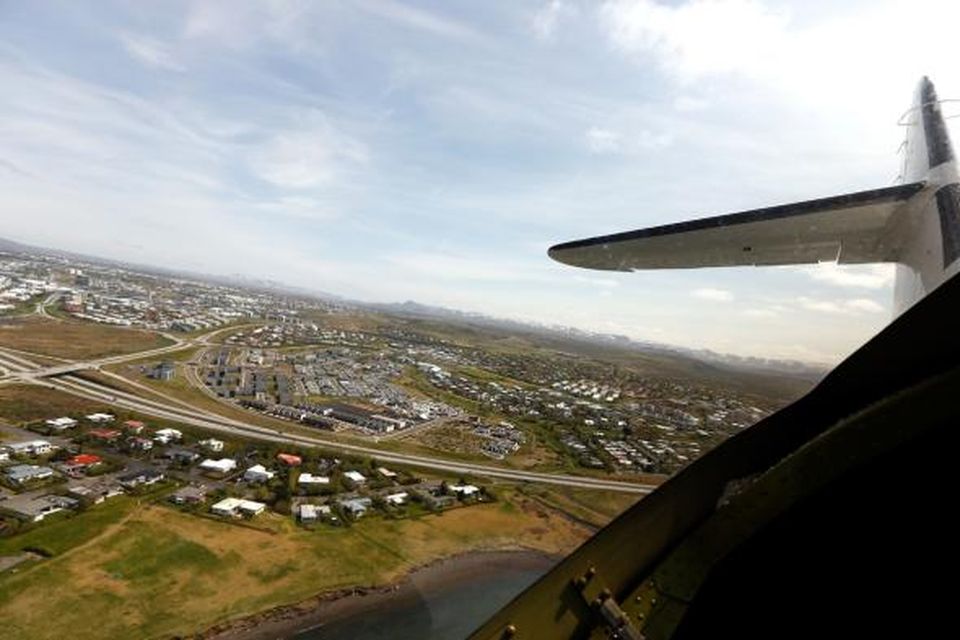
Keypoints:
(22, 370)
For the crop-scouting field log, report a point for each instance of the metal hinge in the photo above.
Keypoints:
(616, 623)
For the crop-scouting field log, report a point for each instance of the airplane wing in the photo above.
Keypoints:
(848, 228)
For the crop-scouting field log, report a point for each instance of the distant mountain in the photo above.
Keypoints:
(414, 309)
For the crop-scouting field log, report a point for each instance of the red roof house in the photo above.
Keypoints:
(289, 459)
(133, 426)
(104, 434)
(84, 460)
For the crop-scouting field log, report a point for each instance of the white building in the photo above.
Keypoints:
(386, 473)
(100, 417)
(397, 498)
(32, 447)
(61, 424)
(223, 465)
(310, 480)
(312, 512)
(212, 444)
(166, 436)
(258, 473)
(355, 477)
(464, 489)
(233, 507)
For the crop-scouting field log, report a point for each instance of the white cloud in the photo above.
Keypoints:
(299, 207)
(150, 52)
(602, 141)
(600, 283)
(426, 21)
(854, 306)
(695, 38)
(715, 295)
(545, 21)
(864, 304)
(689, 104)
(812, 55)
(301, 159)
(650, 140)
(760, 313)
(873, 276)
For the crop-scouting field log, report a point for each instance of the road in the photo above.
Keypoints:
(21, 370)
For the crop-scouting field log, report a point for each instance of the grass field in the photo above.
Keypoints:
(77, 340)
(161, 573)
(56, 538)
(595, 508)
(22, 403)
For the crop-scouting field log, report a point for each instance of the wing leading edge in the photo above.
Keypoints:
(849, 228)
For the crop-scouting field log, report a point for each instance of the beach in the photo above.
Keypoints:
(438, 590)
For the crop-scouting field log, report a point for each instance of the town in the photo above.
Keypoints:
(407, 385)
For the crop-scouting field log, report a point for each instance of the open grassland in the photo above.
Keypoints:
(77, 340)
(594, 508)
(58, 537)
(155, 572)
(23, 403)
(185, 354)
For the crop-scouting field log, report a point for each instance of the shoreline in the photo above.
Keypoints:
(329, 606)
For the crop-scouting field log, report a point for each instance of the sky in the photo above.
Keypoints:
(433, 151)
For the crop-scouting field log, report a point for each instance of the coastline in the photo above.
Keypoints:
(288, 620)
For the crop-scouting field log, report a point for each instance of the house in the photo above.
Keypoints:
(61, 424)
(100, 418)
(105, 435)
(258, 473)
(134, 426)
(386, 473)
(180, 455)
(356, 507)
(232, 507)
(96, 492)
(463, 490)
(32, 448)
(438, 502)
(397, 499)
(289, 459)
(21, 473)
(193, 494)
(4, 455)
(223, 465)
(212, 445)
(163, 371)
(310, 480)
(312, 512)
(166, 436)
(137, 443)
(141, 477)
(355, 477)
(84, 460)
(36, 509)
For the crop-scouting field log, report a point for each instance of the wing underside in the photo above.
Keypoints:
(850, 228)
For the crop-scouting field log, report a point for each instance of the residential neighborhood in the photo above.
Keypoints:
(67, 471)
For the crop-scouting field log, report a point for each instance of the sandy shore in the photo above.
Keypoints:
(285, 621)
